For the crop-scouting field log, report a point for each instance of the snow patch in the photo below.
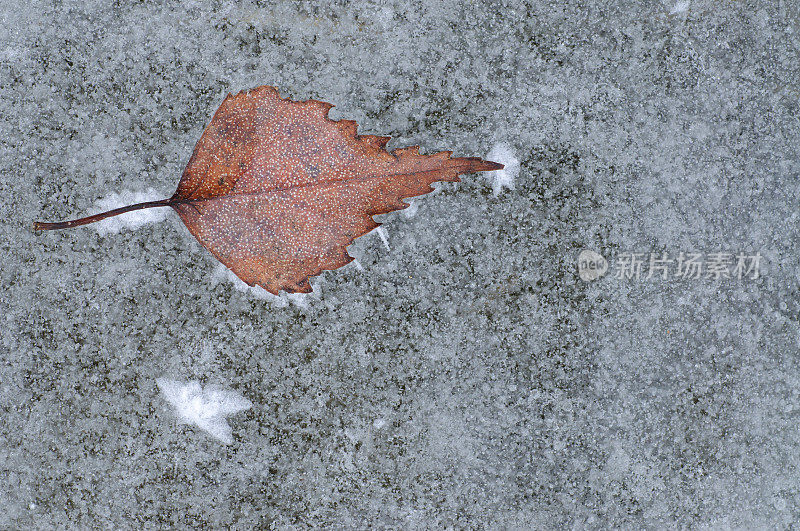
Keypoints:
(504, 178)
(680, 7)
(131, 220)
(10, 53)
(301, 300)
(206, 407)
(411, 211)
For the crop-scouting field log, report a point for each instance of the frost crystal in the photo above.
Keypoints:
(504, 178)
(205, 408)
(384, 238)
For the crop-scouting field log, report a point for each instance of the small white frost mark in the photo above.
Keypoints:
(504, 178)
(384, 16)
(382, 233)
(205, 408)
(298, 299)
(361, 268)
(379, 423)
(301, 300)
(411, 211)
(131, 220)
(9, 53)
(680, 7)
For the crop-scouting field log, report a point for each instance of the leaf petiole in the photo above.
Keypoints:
(38, 225)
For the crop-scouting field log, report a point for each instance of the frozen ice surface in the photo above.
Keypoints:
(680, 7)
(466, 379)
(206, 407)
(504, 178)
(301, 300)
(222, 273)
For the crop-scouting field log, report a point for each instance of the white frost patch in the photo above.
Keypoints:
(205, 408)
(385, 16)
(680, 7)
(411, 211)
(384, 238)
(301, 300)
(131, 220)
(9, 53)
(504, 178)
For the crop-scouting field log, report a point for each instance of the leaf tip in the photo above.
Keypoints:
(477, 164)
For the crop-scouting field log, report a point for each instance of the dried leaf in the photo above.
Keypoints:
(276, 190)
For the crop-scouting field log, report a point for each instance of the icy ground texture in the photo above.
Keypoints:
(465, 378)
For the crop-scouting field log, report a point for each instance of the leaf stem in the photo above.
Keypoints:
(38, 225)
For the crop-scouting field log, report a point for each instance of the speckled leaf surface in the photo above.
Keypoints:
(276, 190)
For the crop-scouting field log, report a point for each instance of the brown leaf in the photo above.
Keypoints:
(276, 190)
